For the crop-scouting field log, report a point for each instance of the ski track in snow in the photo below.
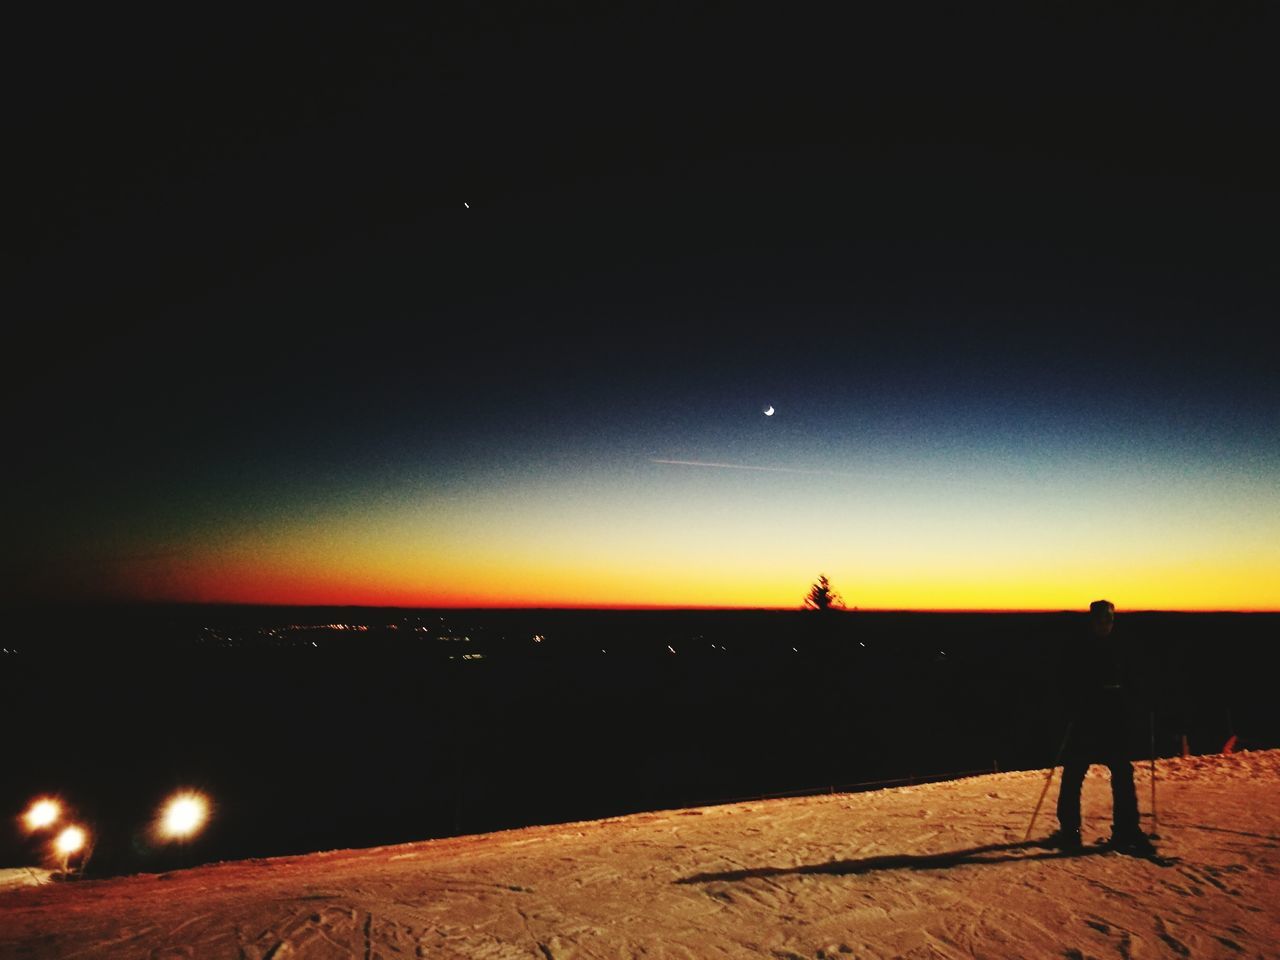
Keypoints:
(933, 871)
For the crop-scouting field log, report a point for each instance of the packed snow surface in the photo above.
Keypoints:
(936, 870)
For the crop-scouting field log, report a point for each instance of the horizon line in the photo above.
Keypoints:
(623, 607)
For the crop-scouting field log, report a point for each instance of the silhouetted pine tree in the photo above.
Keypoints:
(822, 597)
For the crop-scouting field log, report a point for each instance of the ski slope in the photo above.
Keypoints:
(935, 870)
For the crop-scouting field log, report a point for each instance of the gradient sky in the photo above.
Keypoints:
(1014, 315)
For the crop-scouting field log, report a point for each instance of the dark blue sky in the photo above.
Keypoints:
(973, 240)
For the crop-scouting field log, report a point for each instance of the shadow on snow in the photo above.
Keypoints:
(904, 861)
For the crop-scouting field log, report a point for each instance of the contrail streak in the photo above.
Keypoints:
(998, 483)
(748, 466)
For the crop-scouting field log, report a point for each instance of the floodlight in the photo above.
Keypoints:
(42, 813)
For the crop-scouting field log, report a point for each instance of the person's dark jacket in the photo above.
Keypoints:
(1103, 694)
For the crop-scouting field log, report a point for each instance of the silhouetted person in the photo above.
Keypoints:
(1100, 686)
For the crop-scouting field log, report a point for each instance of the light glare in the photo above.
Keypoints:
(70, 840)
(42, 814)
(184, 815)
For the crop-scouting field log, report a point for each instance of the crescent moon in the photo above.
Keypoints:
(768, 412)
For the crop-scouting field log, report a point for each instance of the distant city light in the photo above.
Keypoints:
(70, 841)
(42, 813)
(183, 815)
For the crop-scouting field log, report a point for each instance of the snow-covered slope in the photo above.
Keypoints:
(936, 870)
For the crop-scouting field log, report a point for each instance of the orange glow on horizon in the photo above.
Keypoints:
(597, 591)
(752, 546)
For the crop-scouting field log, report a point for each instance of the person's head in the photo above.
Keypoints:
(1102, 617)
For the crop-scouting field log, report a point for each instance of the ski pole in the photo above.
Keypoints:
(1047, 780)
(1155, 820)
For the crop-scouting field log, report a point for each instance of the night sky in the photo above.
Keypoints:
(418, 309)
